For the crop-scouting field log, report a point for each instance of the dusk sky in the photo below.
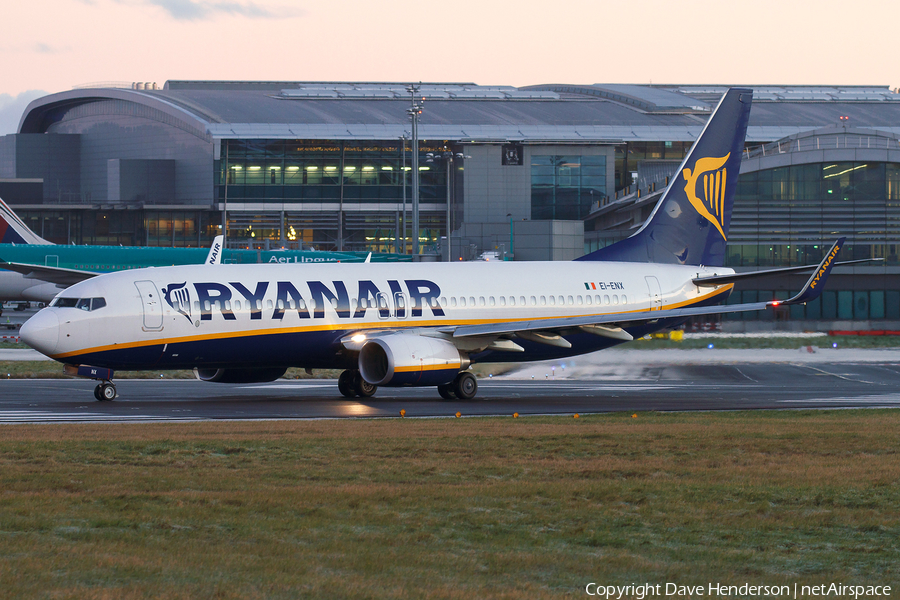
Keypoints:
(53, 45)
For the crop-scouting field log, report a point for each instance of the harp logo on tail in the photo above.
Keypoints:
(712, 188)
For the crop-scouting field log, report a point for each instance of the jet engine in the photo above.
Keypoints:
(239, 375)
(405, 359)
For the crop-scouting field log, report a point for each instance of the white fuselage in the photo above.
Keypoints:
(295, 315)
(15, 286)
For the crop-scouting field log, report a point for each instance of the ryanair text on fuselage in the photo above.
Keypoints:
(214, 296)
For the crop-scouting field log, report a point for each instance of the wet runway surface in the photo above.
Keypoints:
(659, 388)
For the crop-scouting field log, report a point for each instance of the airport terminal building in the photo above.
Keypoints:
(542, 172)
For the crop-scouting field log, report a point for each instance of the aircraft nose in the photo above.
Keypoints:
(41, 332)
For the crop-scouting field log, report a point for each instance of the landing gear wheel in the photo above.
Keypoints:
(105, 392)
(345, 384)
(363, 388)
(446, 391)
(465, 386)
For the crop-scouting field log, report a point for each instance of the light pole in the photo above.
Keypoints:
(403, 139)
(414, 111)
(510, 236)
(448, 162)
(448, 157)
(225, 208)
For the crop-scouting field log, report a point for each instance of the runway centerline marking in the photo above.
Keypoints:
(824, 372)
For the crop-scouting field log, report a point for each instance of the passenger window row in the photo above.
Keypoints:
(463, 302)
(452, 302)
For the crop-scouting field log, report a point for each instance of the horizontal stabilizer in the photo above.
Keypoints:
(717, 280)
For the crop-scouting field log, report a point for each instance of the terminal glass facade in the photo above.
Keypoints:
(789, 216)
(565, 187)
(315, 171)
(832, 305)
(179, 228)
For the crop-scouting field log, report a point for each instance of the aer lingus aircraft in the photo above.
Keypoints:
(31, 268)
(419, 324)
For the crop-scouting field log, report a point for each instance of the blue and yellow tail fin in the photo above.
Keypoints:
(689, 224)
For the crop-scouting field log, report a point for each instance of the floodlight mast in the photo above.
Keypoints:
(414, 111)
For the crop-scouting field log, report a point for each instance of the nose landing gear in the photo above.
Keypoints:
(105, 392)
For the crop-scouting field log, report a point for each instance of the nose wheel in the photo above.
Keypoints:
(105, 392)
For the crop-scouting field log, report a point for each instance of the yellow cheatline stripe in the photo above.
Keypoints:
(349, 325)
(413, 368)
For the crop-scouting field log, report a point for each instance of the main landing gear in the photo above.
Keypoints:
(351, 384)
(464, 387)
(105, 392)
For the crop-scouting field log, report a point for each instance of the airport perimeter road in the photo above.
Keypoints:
(663, 388)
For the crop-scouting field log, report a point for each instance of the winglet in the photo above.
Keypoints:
(368, 258)
(816, 282)
(215, 251)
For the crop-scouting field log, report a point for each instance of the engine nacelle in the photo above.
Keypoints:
(239, 375)
(404, 359)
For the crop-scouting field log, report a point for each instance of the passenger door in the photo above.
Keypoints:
(655, 292)
(150, 300)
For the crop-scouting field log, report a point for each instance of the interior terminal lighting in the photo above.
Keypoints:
(331, 168)
(424, 168)
(274, 168)
(293, 168)
(407, 168)
(237, 167)
(368, 168)
(387, 168)
(345, 168)
(312, 168)
(254, 168)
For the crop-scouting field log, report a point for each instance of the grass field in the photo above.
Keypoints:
(462, 508)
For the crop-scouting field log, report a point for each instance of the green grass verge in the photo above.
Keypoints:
(462, 508)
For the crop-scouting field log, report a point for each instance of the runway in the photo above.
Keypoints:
(672, 387)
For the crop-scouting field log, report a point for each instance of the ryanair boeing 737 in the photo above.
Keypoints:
(419, 324)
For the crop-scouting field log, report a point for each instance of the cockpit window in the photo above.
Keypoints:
(85, 304)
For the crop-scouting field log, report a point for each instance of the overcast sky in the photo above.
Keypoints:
(53, 45)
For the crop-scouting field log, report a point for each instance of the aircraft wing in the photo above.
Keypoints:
(612, 325)
(619, 320)
(57, 275)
